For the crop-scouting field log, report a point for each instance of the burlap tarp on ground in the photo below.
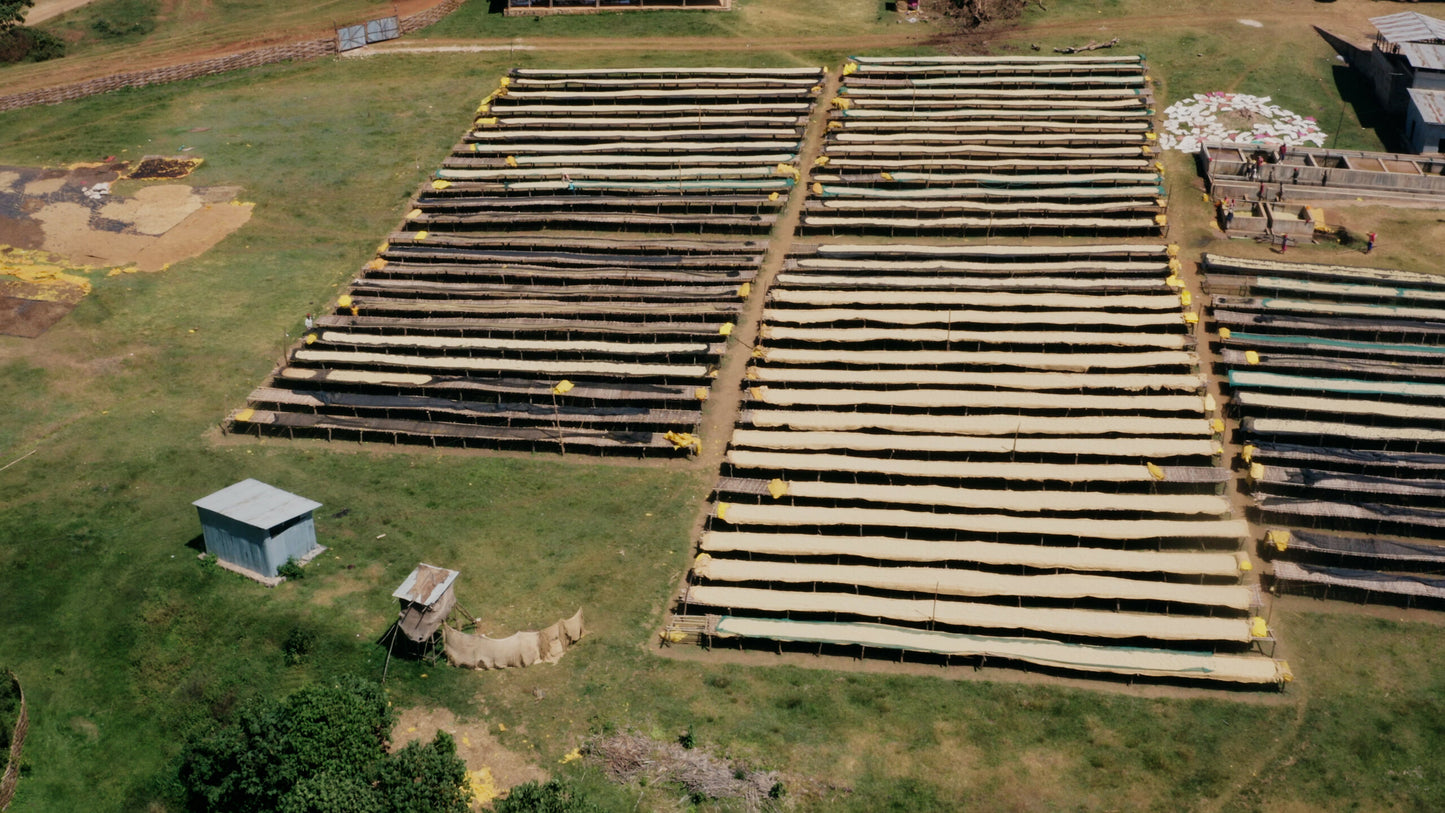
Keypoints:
(522, 648)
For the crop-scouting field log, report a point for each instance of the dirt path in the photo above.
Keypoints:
(725, 397)
(47, 9)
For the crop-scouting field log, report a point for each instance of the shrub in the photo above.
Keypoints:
(291, 570)
(125, 19)
(21, 44)
(557, 796)
(299, 643)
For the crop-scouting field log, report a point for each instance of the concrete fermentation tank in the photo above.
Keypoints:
(257, 527)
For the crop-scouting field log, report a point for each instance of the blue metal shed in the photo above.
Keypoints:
(257, 526)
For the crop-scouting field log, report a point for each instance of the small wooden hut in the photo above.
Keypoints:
(426, 599)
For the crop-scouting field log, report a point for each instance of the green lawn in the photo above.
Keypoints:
(749, 19)
(126, 645)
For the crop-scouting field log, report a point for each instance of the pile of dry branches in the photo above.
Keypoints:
(633, 757)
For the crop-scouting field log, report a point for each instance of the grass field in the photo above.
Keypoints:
(126, 645)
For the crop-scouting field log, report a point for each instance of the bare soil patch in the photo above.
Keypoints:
(58, 225)
(28, 318)
(48, 9)
(491, 768)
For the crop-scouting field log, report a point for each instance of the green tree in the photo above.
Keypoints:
(424, 778)
(322, 749)
(12, 13)
(332, 793)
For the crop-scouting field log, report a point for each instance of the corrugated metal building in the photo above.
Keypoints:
(1425, 121)
(256, 526)
(1405, 67)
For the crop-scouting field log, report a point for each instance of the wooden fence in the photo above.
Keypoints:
(17, 740)
(253, 58)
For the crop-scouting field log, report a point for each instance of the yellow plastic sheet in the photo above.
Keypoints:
(1251, 356)
(684, 440)
(777, 488)
(1280, 539)
(1155, 471)
(563, 387)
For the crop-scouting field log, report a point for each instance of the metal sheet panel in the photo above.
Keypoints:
(1430, 103)
(235, 542)
(1424, 56)
(386, 28)
(257, 504)
(1409, 26)
(350, 37)
(426, 584)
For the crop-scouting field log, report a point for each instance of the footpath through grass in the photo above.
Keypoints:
(126, 644)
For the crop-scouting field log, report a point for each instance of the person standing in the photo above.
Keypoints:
(1369, 242)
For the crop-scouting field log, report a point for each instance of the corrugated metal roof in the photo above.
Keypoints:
(426, 584)
(1409, 26)
(257, 504)
(1424, 56)
(1430, 103)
